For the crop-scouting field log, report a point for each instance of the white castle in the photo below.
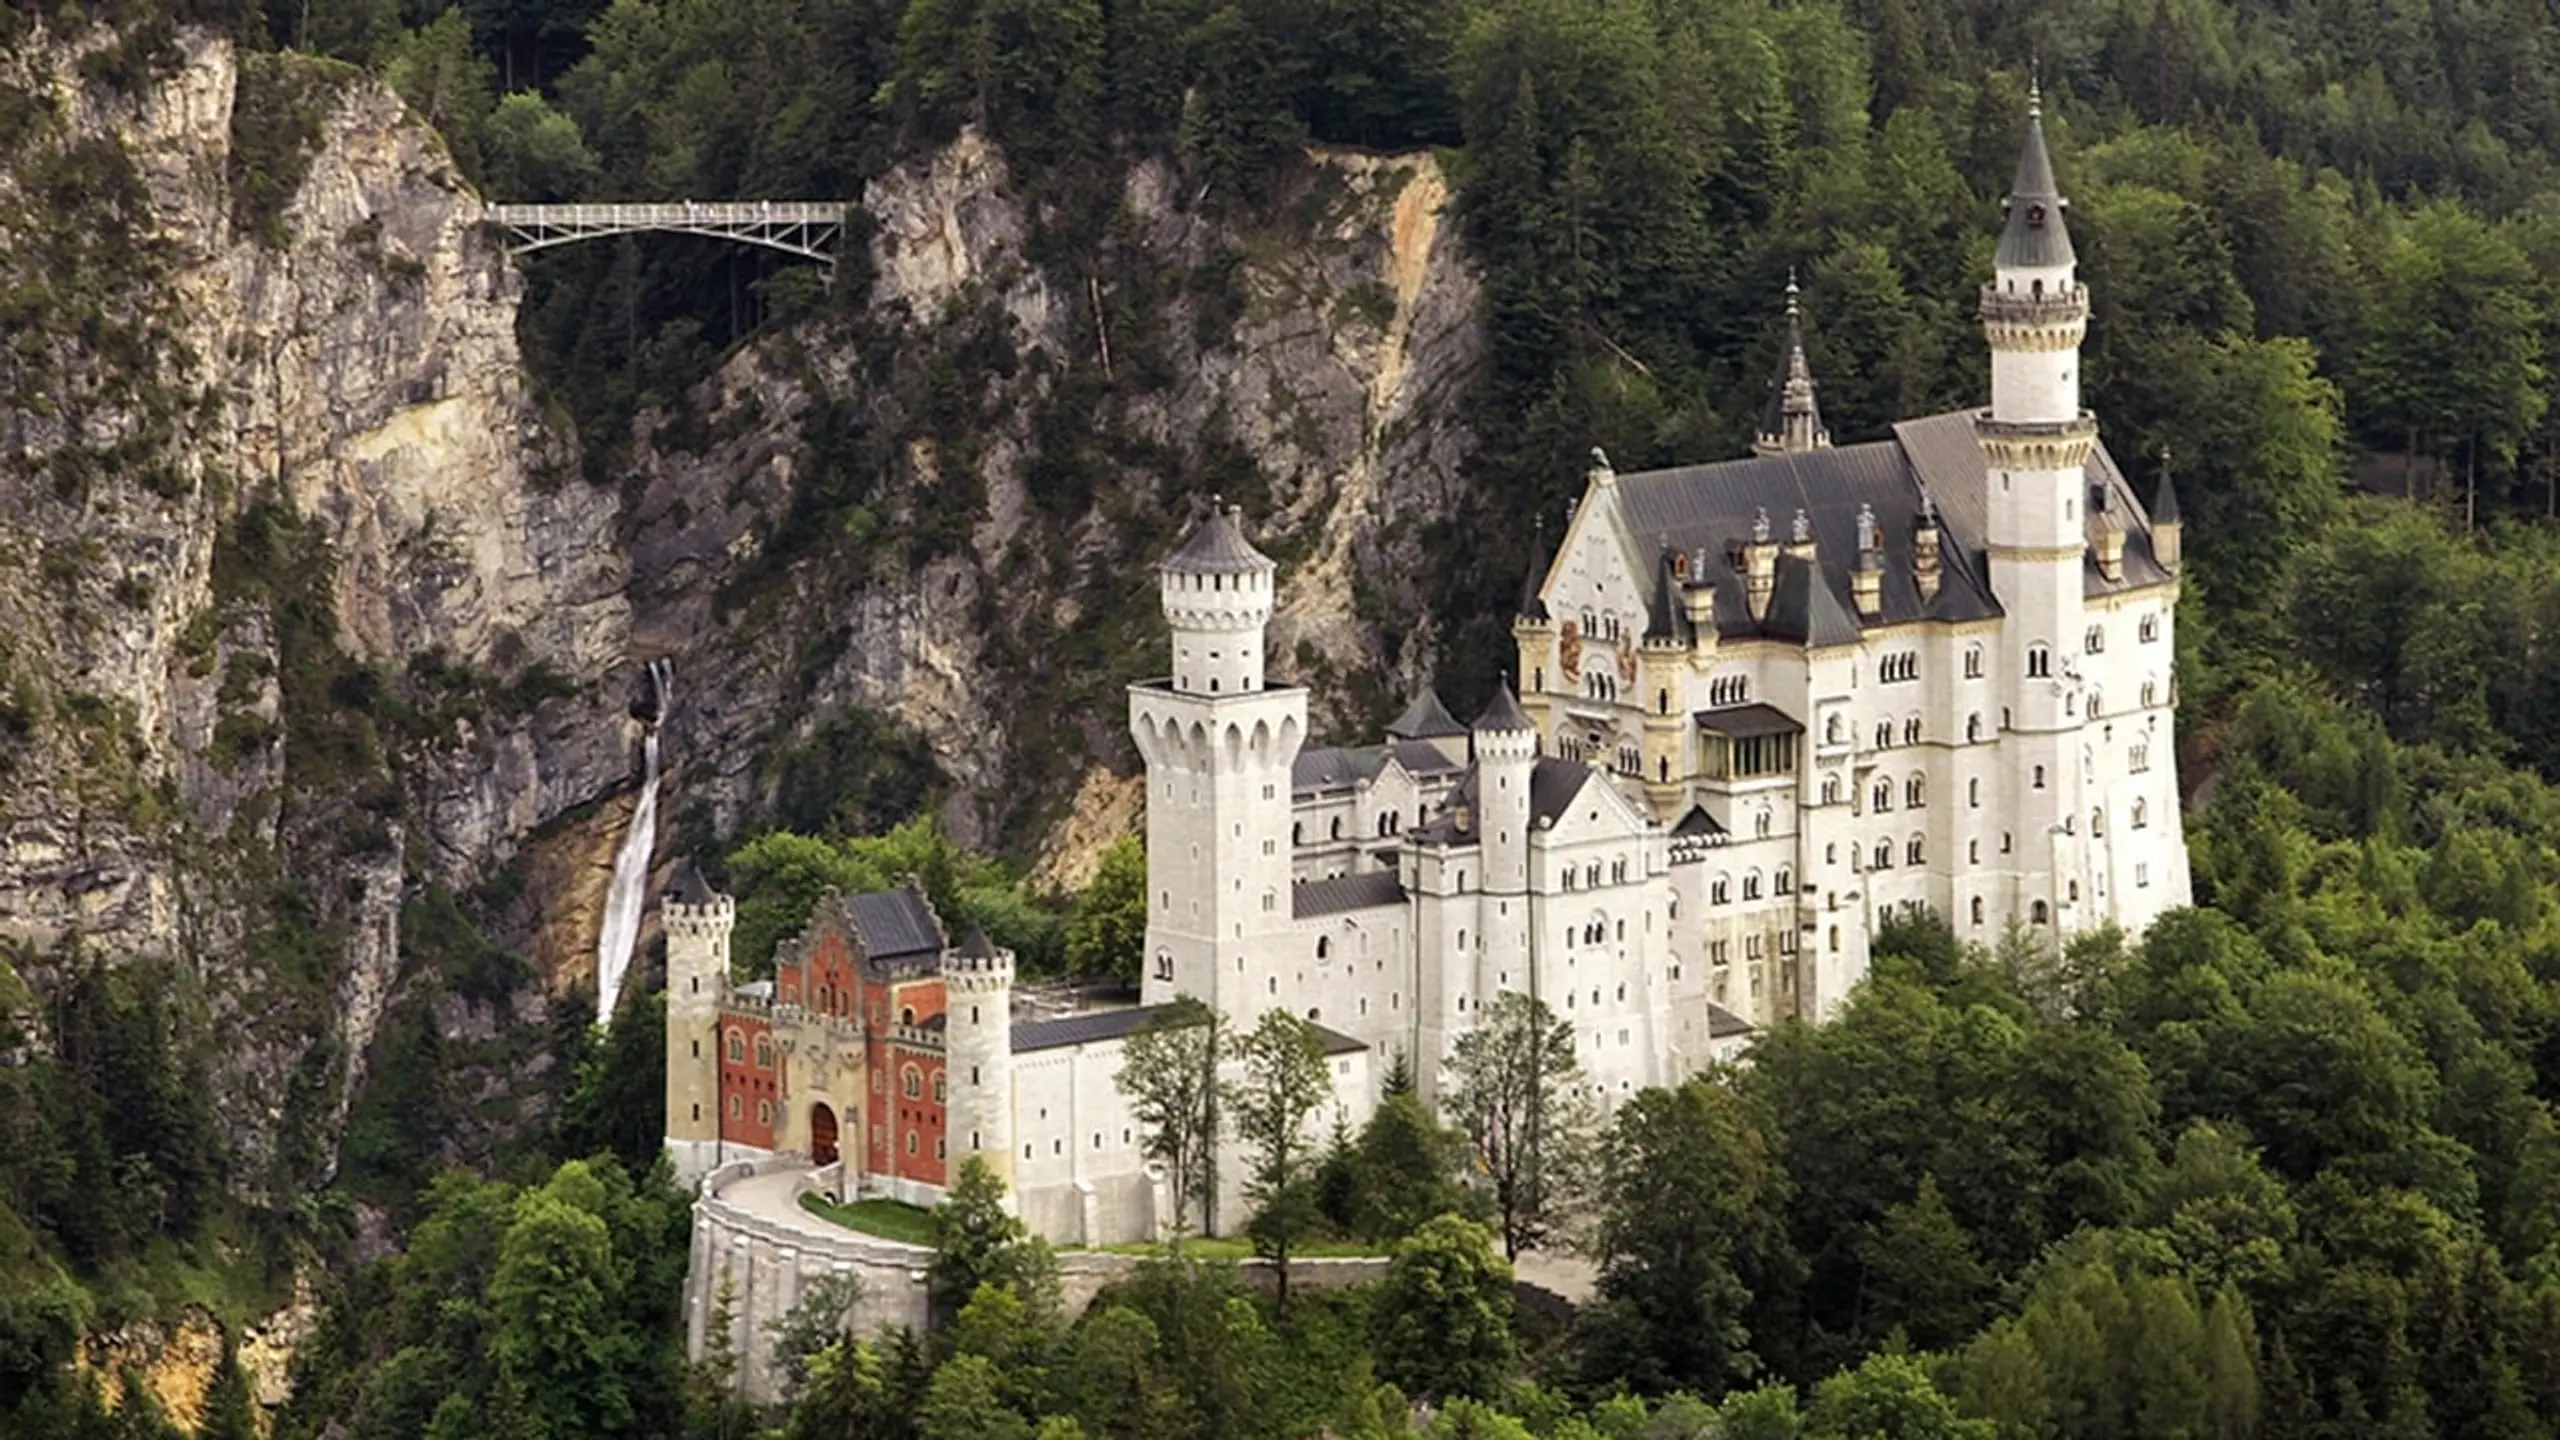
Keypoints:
(1764, 705)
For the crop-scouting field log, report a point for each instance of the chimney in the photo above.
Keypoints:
(1759, 568)
(1924, 550)
(1698, 598)
(1866, 582)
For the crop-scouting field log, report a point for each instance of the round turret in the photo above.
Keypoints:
(1218, 594)
(977, 982)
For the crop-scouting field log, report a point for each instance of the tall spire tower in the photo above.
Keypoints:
(1791, 423)
(2036, 445)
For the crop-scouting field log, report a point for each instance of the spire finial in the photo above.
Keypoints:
(1802, 529)
(2035, 89)
(1791, 292)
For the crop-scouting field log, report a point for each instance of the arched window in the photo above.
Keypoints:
(1911, 731)
(1721, 891)
(1915, 792)
(1830, 789)
(1760, 825)
(1835, 937)
(2073, 893)
(737, 1048)
(2039, 777)
(1973, 662)
(2096, 639)
(2039, 662)
(941, 1088)
(1911, 851)
(2137, 756)
(907, 1015)
(1973, 728)
(2141, 812)
(1324, 946)
(1973, 793)
(911, 1080)
(1977, 909)
(764, 1052)
(1834, 729)
(1662, 702)
(1881, 798)
(2097, 823)
(1298, 833)
(1785, 880)
(1884, 855)
(1337, 827)
(1973, 852)
(2150, 628)
(2150, 693)
(1751, 886)
(2037, 913)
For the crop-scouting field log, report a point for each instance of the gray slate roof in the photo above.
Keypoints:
(1101, 1025)
(1708, 510)
(1218, 547)
(977, 946)
(1504, 712)
(1723, 1023)
(1742, 722)
(1425, 719)
(2034, 234)
(1335, 767)
(897, 928)
(1340, 893)
(690, 888)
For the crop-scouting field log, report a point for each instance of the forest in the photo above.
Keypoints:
(2286, 1166)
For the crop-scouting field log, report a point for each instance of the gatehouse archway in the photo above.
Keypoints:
(822, 1134)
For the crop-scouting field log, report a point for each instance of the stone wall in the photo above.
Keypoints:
(767, 1261)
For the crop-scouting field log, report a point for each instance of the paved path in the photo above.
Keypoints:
(1570, 1276)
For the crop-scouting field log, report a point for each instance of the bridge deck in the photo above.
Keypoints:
(800, 227)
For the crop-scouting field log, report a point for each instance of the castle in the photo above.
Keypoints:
(1763, 705)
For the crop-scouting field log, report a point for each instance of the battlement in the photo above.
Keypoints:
(715, 917)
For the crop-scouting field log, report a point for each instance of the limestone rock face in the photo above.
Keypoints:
(312, 615)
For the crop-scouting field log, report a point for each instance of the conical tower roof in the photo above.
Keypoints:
(2164, 501)
(690, 888)
(1218, 547)
(1504, 714)
(1541, 557)
(976, 946)
(1791, 420)
(2034, 236)
(1425, 719)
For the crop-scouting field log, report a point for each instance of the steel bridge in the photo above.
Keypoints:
(806, 228)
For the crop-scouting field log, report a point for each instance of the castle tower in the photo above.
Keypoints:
(1506, 746)
(1533, 630)
(2037, 442)
(977, 987)
(2168, 531)
(698, 920)
(1791, 423)
(1219, 742)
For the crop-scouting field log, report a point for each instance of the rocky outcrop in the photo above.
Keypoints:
(314, 616)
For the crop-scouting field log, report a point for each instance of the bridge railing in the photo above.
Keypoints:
(800, 227)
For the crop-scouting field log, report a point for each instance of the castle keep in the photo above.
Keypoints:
(1762, 706)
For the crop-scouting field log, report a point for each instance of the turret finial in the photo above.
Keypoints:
(1802, 530)
(1760, 527)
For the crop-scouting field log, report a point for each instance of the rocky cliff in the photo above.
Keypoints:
(313, 627)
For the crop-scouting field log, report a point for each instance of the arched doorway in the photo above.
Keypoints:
(822, 1134)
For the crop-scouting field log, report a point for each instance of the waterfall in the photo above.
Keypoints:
(625, 902)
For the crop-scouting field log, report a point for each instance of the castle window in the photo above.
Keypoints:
(2149, 630)
(2138, 756)
(1719, 951)
(1899, 666)
(1728, 690)
(1831, 854)
(1617, 872)
(1973, 662)
(2096, 639)
(737, 1108)
(1786, 942)
(906, 1014)
(1785, 880)
(973, 1075)
(1833, 730)
(1973, 852)
(2141, 878)
(911, 1142)
(941, 1148)
(2141, 813)
(1298, 833)
(764, 1053)
(2039, 777)
(941, 1089)
(737, 1048)
(1751, 886)
(1911, 731)
(2073, 894)
(2097, 823)
(821, 1004)
(1164, 965)
(1751, 947)
(2038, 913)
(1662, 702)
(1324, 946)
(2150, 693)
(1884, 855)
(1977, 909)
(1720, 892)
(1830, 789)
(1973, 793)
(973, 1014)
(2039, 662)
(912, 1081)
(697, 1049)
(2004, 842)
(764, 1112)
(1760, 825)
(1973, 728)
(1911, 851)
(1662, 768)
(1881, 799)
(1915, 792)
(697, 1113)
(1884, 735)
(1835, 938)
(2097, 703)
(1337, 827)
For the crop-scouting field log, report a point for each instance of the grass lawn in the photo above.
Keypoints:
(887, 1219)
